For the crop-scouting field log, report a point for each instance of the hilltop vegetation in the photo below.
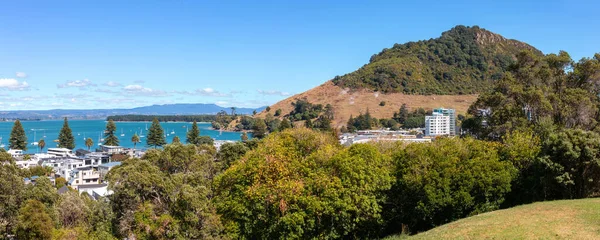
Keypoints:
(464, 60)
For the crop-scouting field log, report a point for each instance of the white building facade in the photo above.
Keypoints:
(437, 124)
(451, 113)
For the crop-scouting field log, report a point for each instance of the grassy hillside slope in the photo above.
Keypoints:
(565, 219)
(346, 102)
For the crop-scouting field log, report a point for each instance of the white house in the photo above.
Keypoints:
(111, 149)
(61, 152)
(15, 153)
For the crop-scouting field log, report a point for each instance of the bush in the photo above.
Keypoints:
(447, 180)
(300, 184)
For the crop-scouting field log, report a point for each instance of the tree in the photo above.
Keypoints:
(402, 114)
(72, 210)
(285, 124)
(230, 152)
(65, 137)
(259, 129)
(193, 135)
(43, 190)
(18, 139)
(89, 143)
(254, 113)
(232, 111)
(176, 140)
(42, 145)
(34, 221)
(277, 112)
(573, 162)
(11, 193)
(205, 140)
(60, 182)
(165, 195)
(156, 135)
(446, 180)
(244, 137)
(135, 139)
(301, 184)
(268, 109)
(110, 139)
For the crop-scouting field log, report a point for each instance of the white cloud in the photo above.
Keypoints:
(77, 83)
(21, 75)
(13, 84)
(273, 92)
(209, 92)
(140, 90)
(112, 84)
(221, 103)
(139, 81)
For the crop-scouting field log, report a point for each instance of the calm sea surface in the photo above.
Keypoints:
(82, 129)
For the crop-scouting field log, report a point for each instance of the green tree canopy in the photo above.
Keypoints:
(34, 221)
(193, 134)
(11, 193)
(299, 184)
(259, 129)
(110, 139)
(65, 137)
(446, 180)
(156, 135)
(18, 139)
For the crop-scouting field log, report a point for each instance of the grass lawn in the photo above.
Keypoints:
(565, 219)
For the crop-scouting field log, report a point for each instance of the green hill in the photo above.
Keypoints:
(565, 219)
(464, 60)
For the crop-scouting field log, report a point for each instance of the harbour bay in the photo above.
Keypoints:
(94, 129)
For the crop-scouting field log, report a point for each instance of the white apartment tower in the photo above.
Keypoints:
(437, 124)
(441, 122)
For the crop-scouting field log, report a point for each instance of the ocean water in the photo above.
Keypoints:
(83, 129)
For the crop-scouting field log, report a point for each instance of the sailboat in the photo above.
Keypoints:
(34, 137)
(122, 134)
(167, 133)
(141, 133)
(1, 144)
(100, 139)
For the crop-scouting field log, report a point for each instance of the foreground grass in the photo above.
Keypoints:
(566, 219)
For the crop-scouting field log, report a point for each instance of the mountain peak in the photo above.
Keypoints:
(463, 60)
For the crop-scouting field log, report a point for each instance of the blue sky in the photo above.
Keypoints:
(113, 54)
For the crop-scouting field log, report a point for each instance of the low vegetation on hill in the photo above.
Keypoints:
(464, 60)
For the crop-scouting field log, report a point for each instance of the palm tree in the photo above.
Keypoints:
(42, 145)
(89, 143)
(135, 139)
(233, 111)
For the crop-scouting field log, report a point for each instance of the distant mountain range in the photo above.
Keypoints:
(167, 109)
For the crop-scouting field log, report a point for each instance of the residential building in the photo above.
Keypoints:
(451, 113)
(104, 168)
(111, 149)
(61, 152)
(15, 153)
(437, 124)
(84, 176)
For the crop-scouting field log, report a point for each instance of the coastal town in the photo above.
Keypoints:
(222, 120)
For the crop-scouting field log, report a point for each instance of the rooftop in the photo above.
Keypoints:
(110, 164)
